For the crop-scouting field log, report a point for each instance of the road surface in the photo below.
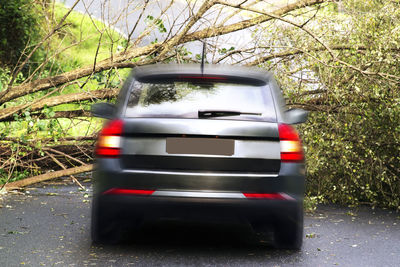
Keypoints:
(49, 226)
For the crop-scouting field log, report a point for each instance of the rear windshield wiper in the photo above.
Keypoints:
(222, 113)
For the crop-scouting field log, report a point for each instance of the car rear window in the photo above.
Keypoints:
(184, 99)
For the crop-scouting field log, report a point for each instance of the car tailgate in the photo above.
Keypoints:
(201, 145)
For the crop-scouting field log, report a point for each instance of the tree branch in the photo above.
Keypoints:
(121, 59)
(48, 176)
(7, 113)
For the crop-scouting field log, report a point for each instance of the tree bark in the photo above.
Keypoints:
(48, 176)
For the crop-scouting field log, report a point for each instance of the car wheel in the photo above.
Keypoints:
(289, 233)
(104, 229)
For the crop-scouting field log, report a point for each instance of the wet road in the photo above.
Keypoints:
(49, 226)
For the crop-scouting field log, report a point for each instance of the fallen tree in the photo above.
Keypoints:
(53, 153)
(339, 59)
(121, 60)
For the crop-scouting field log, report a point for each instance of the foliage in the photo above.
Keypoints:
(81, 38)
(352, 138)
(157, 22)
(19, 31)
(311, 203)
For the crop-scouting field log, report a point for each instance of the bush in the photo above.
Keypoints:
(19, 30)
(352, 139)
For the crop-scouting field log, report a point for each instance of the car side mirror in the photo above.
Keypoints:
(296, 115)
(103, 110)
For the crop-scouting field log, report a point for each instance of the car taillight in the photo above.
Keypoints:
(108, 144)
(291, 148)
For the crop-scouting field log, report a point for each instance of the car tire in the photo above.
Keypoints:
(288, 233)
(104, 229)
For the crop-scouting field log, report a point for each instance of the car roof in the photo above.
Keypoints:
(157, 71)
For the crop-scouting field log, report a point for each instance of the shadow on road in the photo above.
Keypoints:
(175, 241)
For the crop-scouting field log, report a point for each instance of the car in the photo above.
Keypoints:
(195, 142)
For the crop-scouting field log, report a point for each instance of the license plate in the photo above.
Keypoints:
(205, 146)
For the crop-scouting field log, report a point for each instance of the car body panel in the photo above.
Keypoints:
(241, 158)
(242, 148)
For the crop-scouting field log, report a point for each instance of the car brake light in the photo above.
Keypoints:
(202, 77)
(108, 144)
(291, 148)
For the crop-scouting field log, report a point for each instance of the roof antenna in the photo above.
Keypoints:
(202, 57)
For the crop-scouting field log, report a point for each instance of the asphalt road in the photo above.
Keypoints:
(49, 226)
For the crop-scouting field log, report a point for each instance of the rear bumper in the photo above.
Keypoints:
(120, 207)
(109, 174)
(229, 187)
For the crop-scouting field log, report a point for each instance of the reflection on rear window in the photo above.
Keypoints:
(181, 99)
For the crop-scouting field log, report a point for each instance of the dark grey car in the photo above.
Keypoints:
(192, 143)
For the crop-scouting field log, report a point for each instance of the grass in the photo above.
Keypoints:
(88, 33)
(89, 39)
(81, 41)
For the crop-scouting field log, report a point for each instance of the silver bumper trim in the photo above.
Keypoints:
(203, 173)
(197, 194)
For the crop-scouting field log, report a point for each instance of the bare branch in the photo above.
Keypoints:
(120, 60)
(300, 26)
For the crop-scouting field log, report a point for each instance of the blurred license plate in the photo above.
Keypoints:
(208, 146)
